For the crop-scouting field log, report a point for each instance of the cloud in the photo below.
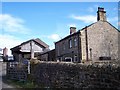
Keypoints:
(52, 46)
(118, 23)
(113, 19)
(9, 41)
(11, 24)
(96, 6)
(90, 9)
(115, 9)
(54, 37)
(71, 25)
(86, 18)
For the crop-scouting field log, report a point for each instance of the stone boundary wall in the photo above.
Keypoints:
(16, 71)
(74, 75)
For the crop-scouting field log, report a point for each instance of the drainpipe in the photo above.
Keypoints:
(79, 48)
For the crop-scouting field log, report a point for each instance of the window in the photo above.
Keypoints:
(75, 58)
(75, 42)
(68, 59)
(63, 46)
(70, 43)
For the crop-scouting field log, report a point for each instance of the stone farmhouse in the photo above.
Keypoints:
(95, 42)
(29, 49)
(98, 41)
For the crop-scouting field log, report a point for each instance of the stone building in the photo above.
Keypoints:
(47, 55)
(29, 49)
(98, 41)
(68, 48)
(1, 54)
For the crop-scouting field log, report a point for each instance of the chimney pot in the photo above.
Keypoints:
(101, 14)
(72, 30)
(100, 9)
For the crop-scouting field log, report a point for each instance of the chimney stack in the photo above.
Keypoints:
(101, 14)
(5, 51)
(72, 30)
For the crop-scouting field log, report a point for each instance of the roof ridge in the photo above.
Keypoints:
(42, 43)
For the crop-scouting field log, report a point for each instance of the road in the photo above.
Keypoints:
(3, 83)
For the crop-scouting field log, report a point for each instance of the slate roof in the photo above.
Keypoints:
(84, 29)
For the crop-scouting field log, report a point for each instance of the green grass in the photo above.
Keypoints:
(21, 84)
(27, 84)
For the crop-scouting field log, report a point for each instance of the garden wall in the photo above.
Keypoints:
(17, 71)
(71, 75)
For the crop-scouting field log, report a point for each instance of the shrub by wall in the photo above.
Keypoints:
(69, 75)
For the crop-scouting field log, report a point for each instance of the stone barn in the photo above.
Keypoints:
(98, 41)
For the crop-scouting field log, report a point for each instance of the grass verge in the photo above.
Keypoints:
(22, 84)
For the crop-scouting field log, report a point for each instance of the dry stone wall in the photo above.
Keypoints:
(69, 75)
(17, 71)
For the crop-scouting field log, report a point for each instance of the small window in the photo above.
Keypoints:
(70, 43)
(75, 58)
(75, 42)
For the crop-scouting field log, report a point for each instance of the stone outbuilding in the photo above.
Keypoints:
(47, 55)
(29, 49)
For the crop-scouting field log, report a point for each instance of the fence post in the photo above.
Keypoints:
(28, 67)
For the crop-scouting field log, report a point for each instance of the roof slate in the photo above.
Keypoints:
(84, 29)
